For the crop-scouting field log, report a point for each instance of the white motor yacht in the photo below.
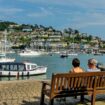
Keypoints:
(28, 52)
(21, 69)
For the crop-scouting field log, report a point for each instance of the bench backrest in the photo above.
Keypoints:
(87, 81)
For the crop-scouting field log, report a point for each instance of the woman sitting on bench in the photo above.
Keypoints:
(76, 66)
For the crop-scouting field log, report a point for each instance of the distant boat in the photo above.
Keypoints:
(63, 54)
(28, 52)
(73, 54)
(21, 69)
(3, 57)
(98, 53)
(66, 54)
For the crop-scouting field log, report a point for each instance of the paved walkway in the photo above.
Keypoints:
(27, 92)
(20, 92)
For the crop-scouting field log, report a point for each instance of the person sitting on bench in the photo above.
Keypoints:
(92, 64)
(76, 66)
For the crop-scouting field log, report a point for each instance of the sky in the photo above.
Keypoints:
(87, 16)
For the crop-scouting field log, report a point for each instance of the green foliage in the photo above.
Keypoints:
(25, 40)
(4, 25)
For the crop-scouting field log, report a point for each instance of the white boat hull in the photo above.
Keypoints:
(29, 54)
(73, 54)
(23, 73)
(6, 60)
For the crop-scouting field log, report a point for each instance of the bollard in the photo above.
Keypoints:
(17, 76)
(9, 75)
(0, 76)
(28, 75)
(22, 76)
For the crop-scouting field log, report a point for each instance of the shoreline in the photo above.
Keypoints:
(22, 80)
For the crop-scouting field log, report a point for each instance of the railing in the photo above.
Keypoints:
(17, 77)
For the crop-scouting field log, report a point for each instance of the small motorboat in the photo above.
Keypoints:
(21, 69)
(63, 54)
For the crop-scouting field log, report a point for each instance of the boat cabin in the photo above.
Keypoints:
(30, 66)
(12, 66)
(17, 66)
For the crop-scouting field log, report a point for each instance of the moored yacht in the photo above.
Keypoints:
(21, 68)
(73, 54)
(3, 56)
(5, 59)
(28, 52)
(63, 54)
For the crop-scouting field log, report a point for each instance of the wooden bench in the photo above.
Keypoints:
(71, 84)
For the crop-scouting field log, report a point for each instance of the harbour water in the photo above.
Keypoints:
(56, 64)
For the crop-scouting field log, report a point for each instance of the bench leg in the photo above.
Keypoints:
(42, 94)
(93, 99)
(82, 98)
(51, 102)
(42, 99)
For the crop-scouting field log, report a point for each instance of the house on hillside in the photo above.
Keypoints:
(27, 29)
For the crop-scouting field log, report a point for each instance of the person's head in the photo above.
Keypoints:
(92, 63)
(76, 62)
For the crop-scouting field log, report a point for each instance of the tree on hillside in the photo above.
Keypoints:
(70, 31)
(90, 37)
(5, 24)
(36, 26)
(76, 32)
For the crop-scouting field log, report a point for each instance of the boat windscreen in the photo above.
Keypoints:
(13, 67)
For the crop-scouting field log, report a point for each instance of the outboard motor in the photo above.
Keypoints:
(101, 66)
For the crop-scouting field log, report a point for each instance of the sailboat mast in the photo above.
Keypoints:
(73, 41)
(5, 41)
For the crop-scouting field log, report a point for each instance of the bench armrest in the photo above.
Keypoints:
(46, 83)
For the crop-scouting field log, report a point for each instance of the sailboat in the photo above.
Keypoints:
(3, 56)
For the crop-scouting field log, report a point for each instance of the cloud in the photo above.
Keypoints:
(78, 13)
(10, 11)
(61, 6)
(46, 1)
(42, 13)
(86, 20)
(70, 2)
